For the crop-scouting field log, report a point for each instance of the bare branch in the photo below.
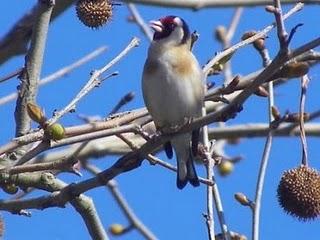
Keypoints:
(209, 168)
(212, 191)
(123, 101)
(233, 25)
(60, 73)
(93, 81)
(139, 20)
(304, 85)
(260, 34)
(262, 170)
(198, 4)
(113, 122)
(11, 75)
(154, 160)
(46, 181)
(252, 130)
(30, 76)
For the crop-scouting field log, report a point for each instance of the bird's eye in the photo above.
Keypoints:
(172, 25)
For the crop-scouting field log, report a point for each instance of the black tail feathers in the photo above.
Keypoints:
(191, 174)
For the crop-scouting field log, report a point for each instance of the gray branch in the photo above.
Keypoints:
(46, 181)
(198, 4)
(31, 73)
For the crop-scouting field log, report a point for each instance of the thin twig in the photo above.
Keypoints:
(233, 24)
(209, 168)
(60, 73)
(254, 130)
(221, 216)
(139, 20)
(260, 34)
(268, 144)
(227, 42)
(199, 4)
(15, 73)
(154, 160)
(123, 101)
(43, 146)
(93, 81)
(46, 181)
(63, 164)
(213, 191)
(281, 30)
(113, 122)
(304, 86)
(262, 171)
(311, 58)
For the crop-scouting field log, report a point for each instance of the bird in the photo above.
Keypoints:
(173, 91)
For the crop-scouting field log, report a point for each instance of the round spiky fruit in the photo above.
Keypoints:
(94, 13)
(299, 192)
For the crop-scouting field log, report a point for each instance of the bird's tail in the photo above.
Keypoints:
(186, 170)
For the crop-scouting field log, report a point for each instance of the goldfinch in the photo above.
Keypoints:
(173, 91)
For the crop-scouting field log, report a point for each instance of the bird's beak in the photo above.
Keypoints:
(157, 26)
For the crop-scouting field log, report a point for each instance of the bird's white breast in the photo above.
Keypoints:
(173, 87)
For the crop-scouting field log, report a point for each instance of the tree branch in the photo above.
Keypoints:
(48, 182)
(33, 64)
(59, 73)
(93, 81)
(199, 4)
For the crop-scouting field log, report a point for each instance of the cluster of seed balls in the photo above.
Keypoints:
(299, 192)
(94, 13)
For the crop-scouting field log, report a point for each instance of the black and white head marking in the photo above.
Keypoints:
(171, 27)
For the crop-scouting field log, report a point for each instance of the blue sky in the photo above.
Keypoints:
(150, 190)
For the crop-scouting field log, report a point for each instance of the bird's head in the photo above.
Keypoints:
(170, 30)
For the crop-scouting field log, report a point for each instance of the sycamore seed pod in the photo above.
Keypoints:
(299, 192)
(94, 13)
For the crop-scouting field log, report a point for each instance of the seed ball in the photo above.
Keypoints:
(94, 13)
(299, 192)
